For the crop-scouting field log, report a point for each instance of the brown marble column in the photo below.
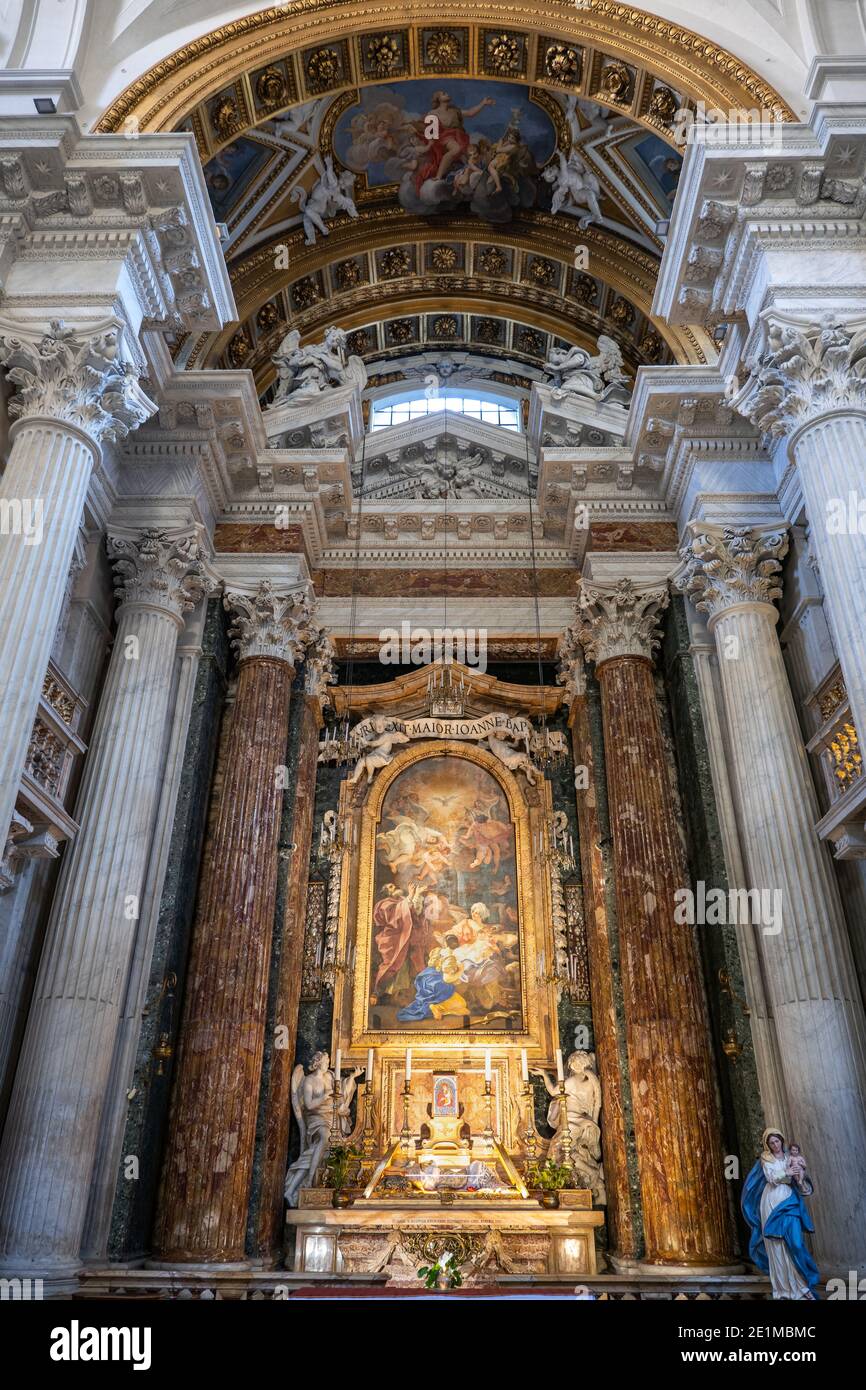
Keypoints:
(620, 1217)
(204, 1193)
(677, 1127)
(318, 673)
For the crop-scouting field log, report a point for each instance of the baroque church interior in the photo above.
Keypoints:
(432, 663)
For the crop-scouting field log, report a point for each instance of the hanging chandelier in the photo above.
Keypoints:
(446, 695)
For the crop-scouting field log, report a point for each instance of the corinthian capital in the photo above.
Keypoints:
(80, 381)
(726, 565)
(806, 372)
(571, 668)
(619, 620)
(159, 570)
(269, 623)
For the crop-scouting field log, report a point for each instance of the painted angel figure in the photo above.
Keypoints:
(313, 1104)
(377, 751)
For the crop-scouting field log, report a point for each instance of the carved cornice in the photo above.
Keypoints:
(268, 623)
(724, 566)
(806, 373)
(77, 381)
(614, 620)
(233, 52)
(159, 570)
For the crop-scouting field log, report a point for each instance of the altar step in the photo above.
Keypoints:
(111, 1282)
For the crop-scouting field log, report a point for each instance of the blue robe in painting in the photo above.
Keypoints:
(786, 1222)
(430, 988)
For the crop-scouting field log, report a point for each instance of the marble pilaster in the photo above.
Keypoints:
(204, 1192)
(318, 673)
(676, 1123)
(732, 575)
(621, 1224)
(52, 1128)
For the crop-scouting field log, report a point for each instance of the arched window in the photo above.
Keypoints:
(412, 405)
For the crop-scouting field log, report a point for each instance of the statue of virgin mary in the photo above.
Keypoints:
(773, 1205)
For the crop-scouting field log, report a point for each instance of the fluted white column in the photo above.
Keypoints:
(806, 957)
(767, 1061)
(52, 1128)
(72, 395)
(811, 386)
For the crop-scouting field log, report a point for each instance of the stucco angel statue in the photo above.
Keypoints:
(378, 750)
(305, 372)
(574, 187)
(313, 1104)
(512, 758)
(576, 373)
(332, 194)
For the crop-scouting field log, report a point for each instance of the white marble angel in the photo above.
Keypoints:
(576, 373)
(313, 1104)
(377, 751)
(574, 188)
(305, 372)
(330, 195)
(512, 758)
(582, 1111)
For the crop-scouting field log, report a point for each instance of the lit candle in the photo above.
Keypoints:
(524, 1066)
(408, 1064)
(369, 1077)
(487, 1072)
(338, 1066)
(560, 1075)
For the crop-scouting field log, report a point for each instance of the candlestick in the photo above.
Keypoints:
(524, 1066)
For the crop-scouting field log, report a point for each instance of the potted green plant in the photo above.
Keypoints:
(340, 1167)
(443, 1275)
(548, 1179)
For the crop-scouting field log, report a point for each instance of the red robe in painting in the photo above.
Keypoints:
(454, 137)
(396, 922)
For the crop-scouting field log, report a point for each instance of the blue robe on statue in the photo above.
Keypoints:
(786, 1222)
(430, 988)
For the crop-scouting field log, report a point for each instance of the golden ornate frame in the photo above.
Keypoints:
(539, 1033)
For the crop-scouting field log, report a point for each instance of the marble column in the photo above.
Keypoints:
(204, 1192)
(811, 386)
(732, 575)
(676, 1120)
(72, 394)
(318, 674)
(620, 1216)
(52, 1128)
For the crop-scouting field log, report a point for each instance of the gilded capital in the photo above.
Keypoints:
(619, 620)
(159, 570)
(728, 565)
(805, 372)
(78, 381)
(270, 623)
(571, 667)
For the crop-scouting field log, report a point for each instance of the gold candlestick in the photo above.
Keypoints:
(565, 1130)
(405, 1132)
(488, 1101)
(368, 1139)
(530, 1134)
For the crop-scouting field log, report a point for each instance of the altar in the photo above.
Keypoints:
(450, 965)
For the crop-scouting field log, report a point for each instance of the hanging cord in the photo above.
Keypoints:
(353, 608)
(535, 591)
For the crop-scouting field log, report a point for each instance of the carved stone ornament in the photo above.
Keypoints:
(805, 373)
(160, 570)
(571, 665)
(727, 565)
(269, 623)
(319, 668)
(83, 382)
(619, 620)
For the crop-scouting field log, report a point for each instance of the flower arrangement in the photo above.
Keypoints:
(444, 1274)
